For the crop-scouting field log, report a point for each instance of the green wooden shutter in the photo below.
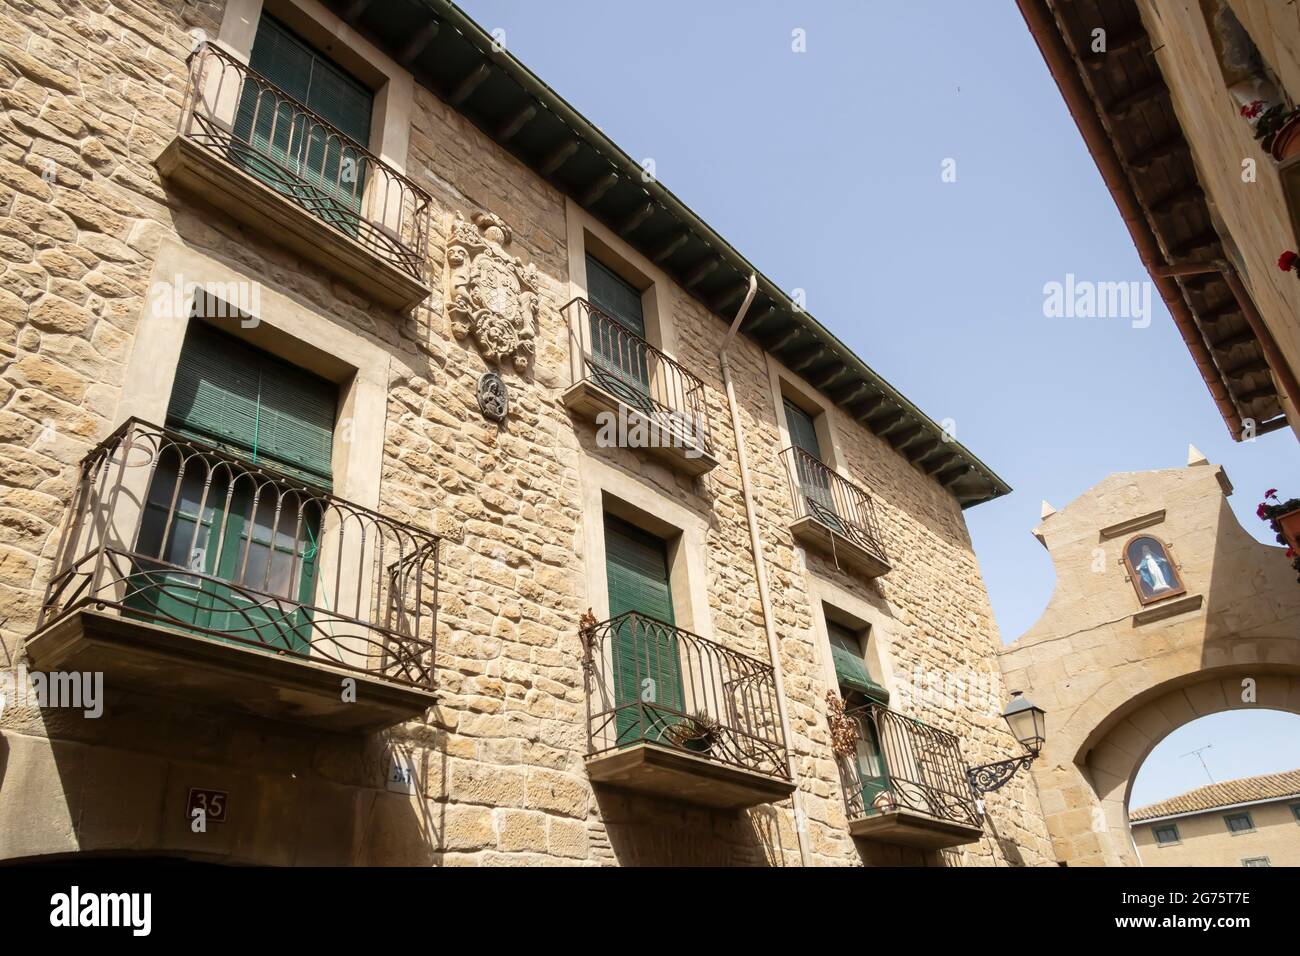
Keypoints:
(803, 432)
(644, 647)
(239, 396)
(850, 668)
(291, 141)
(619, 362)
(615, 297)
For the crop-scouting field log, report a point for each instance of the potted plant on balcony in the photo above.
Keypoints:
(698, 733)
(1284, 518)
(1277, 127)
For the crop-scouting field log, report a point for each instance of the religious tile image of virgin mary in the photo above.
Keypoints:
(1153, 573)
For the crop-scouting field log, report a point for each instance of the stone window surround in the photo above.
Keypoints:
(787, 384)
(853, 611)
(1247, 861)
(285, 328)
(606, 490)
(1249, 819)
(1155, 835)
(393, 85)
(586, 234)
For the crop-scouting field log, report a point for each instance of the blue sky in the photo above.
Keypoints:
(824, 169)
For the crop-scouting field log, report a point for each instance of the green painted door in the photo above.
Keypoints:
(855, 685)
(814, 480)
(620, 363)
(646, 667)
(873, 773)
(286, 148)
(213, 521)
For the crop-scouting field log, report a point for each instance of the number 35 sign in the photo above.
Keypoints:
(204, 807)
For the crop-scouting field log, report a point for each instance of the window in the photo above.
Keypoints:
(1166, 834)
(1295, 811)
(1150, 570)
(234, 395)
(813, 476)
(646, 664)
(620, 361)
(850, 667)
(1256, 861)
(237, 554)
(1239, 822)
(803, 430)
(284, 138)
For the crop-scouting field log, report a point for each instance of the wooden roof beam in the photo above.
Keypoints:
(558, 157)
(598, 187)
(697, 275)
(1157, 151)
(472, 81)
(640, 215)
(517, 122)
(422, 38)
(1125, 105)
(671, 246)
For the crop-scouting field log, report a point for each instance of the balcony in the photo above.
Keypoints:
(834, 515)
(252, 150)
(674, 715)
(648, 399)
(908, 783)
(189, 571)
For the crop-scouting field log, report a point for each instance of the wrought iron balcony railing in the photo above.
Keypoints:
(650, 682)
(902, 763)
(822, 494)
(612, 357)
(235, 112)
(172, 531)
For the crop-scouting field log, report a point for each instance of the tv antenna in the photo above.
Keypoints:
(1197, 754)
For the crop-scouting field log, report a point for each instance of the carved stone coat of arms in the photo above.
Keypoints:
(493, 295)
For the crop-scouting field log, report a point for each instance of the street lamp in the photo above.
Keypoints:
(1028, 724)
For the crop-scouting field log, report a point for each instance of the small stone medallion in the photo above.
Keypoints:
(493, 397)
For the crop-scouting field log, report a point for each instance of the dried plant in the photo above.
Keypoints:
(844, 730)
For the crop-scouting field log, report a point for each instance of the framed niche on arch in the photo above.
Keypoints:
(1151, 569)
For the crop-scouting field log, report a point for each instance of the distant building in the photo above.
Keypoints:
(1254, 821)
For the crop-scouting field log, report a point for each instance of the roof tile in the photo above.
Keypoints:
(1243, 790)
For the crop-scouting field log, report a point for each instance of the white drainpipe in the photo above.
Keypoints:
(760, 570)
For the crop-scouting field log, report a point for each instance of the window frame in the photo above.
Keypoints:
(1130, 569)
(1155, 834)
(1228, 817)
(1249, 860)
(392, 85)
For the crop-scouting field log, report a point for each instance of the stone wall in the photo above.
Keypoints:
(96, 88)
(1115, 677)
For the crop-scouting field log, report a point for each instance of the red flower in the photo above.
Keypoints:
(1252, 109)
(1271, 493)
(1261, 512)
(1287, 260)
(1290, 552)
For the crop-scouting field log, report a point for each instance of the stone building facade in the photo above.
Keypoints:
(402, 302)
(1251, 821)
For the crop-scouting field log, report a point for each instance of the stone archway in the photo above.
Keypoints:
(1115, 676)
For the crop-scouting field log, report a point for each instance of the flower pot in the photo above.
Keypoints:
(1286, 143)
(698, 745)
(1290, 525)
